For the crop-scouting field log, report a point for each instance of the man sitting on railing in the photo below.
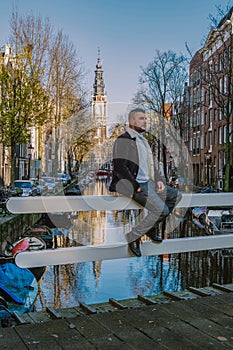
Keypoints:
(135, 176)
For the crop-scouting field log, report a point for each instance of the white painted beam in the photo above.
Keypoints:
(52, 204)
(72, 255)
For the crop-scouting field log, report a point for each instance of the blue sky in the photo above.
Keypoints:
(128, 33)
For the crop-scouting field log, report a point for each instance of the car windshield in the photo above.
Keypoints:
(62, 176)
(23, 184)
(49, 180)
(35, 182)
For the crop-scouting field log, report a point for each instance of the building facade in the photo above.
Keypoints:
(208, 106)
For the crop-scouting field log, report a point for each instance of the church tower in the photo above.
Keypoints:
(99, 102)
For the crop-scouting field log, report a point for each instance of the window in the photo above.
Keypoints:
(194, 119)
(210, 138)
(220, 62)
(198, 98)
(191, 100)
(202, 142)
(220, 114)
(194, 147)
(211, 95)
(225, 85)
(191, 121)
(198, 76)
(220, 85)
(202, 118)
(229, 53)
(191, 144)
(198, 118)
(220, 135)
(194, 99)
(197, 145)
(202, 94)
(220, 165)
(224, 134)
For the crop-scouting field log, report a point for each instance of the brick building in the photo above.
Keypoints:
(208, 106)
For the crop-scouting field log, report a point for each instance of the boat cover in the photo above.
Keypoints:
(15, 282)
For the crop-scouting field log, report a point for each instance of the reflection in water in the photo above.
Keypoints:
(93, 282)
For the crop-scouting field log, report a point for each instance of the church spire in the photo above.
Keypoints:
(99, 85)
(99, 100)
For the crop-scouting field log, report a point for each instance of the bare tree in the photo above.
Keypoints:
(59, 68)
(78, 131)
(32, 34)
(64, 84)
(161, 89)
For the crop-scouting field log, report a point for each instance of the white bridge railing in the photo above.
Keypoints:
(52, 204)
(117, 250)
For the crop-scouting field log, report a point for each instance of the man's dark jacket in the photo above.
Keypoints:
(125, 166)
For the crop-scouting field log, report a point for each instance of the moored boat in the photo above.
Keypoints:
(213, 221)
(27, 243)
(18, 290)
(41, 231)
(23, 244)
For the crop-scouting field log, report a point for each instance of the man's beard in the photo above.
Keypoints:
(139, 129)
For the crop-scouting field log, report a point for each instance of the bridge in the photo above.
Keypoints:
(52, 204)
(117, 250)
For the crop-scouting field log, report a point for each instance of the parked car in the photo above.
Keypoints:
(64, 178)
(41, 186)
(74, 191)
(25, 187)
(51, 184)
(68, 178)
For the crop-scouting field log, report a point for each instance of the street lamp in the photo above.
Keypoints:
(30, 148)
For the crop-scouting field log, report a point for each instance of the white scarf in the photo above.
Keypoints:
(150, 159)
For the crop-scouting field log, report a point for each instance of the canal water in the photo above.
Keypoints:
(95, 282)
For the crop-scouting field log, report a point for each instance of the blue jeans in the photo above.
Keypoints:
(158, 205)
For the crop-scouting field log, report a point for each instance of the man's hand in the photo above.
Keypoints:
(160, 186)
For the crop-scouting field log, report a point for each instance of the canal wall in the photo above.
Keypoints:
(12, 226)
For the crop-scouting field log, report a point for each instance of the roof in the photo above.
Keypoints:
(226, 17)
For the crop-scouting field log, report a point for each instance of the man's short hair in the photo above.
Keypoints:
(135, 111)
